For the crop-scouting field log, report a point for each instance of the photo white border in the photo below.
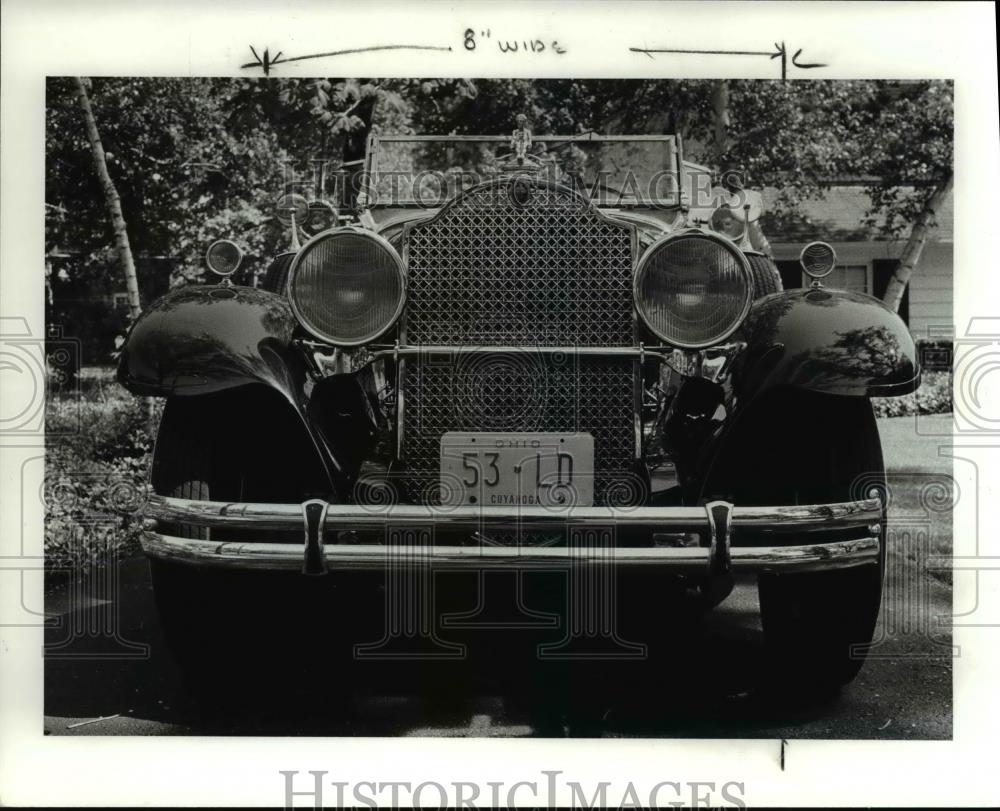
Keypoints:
(163, 38)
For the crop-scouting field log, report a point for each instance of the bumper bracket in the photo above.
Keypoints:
(314, 519)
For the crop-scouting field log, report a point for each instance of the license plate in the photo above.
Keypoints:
(517, 469)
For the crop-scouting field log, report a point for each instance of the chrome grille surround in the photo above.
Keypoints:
(494, 269)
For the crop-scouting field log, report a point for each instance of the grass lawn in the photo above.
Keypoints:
(920, 489)
(912, 443)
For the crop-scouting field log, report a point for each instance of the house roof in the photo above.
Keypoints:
(839, 216)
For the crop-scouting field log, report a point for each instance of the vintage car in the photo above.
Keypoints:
(521, 354)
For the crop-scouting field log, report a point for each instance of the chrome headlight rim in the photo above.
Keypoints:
(712, 236)
(293, 273)
(240, 256)
(809, 268)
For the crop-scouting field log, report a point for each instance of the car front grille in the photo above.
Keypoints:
(553, 272)
(521, 392)
(488, 272)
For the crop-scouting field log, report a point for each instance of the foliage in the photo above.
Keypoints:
(194, 159)
(97, 454)
(198, 159)
(793, 136)
(933, 397)
(184, 175)
(910, 128)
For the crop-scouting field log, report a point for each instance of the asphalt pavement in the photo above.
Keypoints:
(108, 672)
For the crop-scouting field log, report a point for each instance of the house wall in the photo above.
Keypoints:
(932, 292)
(931, 288)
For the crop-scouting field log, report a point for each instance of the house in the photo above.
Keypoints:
(864, 262)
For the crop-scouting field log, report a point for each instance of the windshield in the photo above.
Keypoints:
(427, 170)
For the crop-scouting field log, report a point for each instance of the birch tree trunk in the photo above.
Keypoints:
(915, 245)
(720, 117)
(111, 198)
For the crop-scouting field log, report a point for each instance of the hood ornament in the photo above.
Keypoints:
(520, 140)
(519, 159)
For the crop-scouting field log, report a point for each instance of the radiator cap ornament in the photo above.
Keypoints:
(520, 190)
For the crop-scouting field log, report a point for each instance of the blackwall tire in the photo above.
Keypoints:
(197, 624)
(766, 279)
(182, 468)
(239, 628)
(188, 624)
(183, 461)
(814, 449)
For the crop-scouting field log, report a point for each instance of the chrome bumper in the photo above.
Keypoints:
(589, 532)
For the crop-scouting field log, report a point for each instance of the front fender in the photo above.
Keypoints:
(829, 341)
(200, 340)
(203, 340)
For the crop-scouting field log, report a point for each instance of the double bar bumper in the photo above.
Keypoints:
(409, 532)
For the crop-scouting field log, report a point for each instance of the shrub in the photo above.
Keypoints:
(933, 397)
(99, 441)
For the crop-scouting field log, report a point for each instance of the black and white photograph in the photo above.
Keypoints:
(481, 401)
(455, 406)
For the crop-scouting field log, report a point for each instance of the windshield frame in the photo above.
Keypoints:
(368, 199)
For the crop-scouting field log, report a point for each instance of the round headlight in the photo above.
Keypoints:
(692, 290)
(728, 222)
(818, 260)
(322, 216)
(347, 287)
(288, 206)
(223, 257)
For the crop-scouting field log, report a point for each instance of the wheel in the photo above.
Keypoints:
(219, 622)
(766, 279)
(183, 468)
(276, 277)
(189, 623)
(806, 448)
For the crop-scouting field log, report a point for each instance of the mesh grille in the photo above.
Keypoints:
(523, 391)
(551, 272)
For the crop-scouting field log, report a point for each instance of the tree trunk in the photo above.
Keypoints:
(915, 245)
(111, 199)
(114, 204)
(721, 118)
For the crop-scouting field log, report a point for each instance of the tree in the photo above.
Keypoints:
(188, 170)
(915, 243)
(720, 117)
(797, 137)
(198, 159)
(896, 135)
(910, 151)
(112, 200)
